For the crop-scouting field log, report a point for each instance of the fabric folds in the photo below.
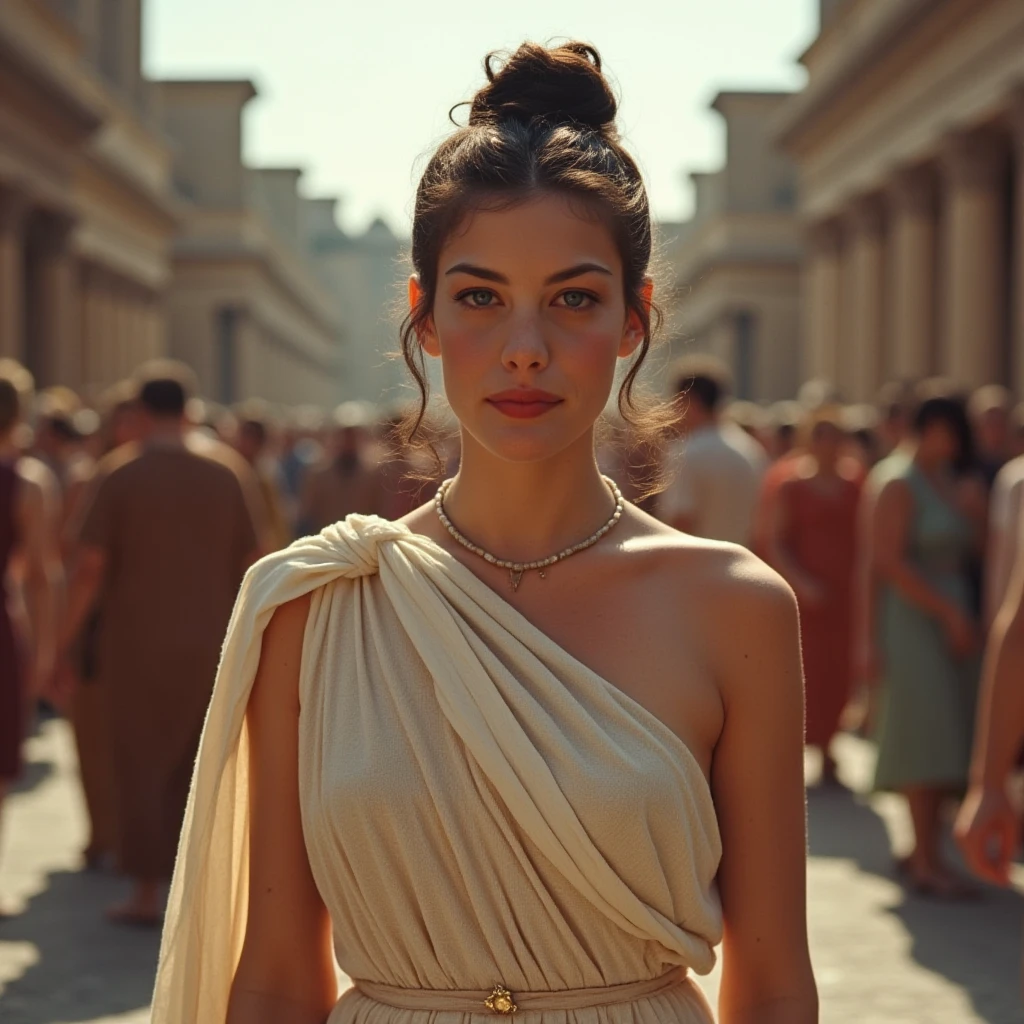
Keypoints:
(478, 806)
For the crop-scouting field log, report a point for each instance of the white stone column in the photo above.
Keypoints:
(973, 254)
(822, 276)
(14, 209)
(913, 240)
(865, 309)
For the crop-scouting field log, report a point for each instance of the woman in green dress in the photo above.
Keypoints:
(927, 636)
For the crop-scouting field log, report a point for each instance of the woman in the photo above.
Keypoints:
(30, 571)
(535, 771)
(927, 637)
(813, 543)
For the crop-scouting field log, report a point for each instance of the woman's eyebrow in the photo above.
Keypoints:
(561, 275)
(475, 271)
(577, 271)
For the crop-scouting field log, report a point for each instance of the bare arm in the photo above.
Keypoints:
(286, 972)
(1000, 728)
(988, 826)
(1003, 544)
(891, 526)
(758, 784)
(90, 566)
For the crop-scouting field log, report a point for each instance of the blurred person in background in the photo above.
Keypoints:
(89, 698)
(211, 431)
(1006, 514)
(781, 429)
(863, 438)
(812, 542)
(988, 825)
(253, 441)
(30, 565)
(714, 469)
(783, 443)
(164, 541)
(895, 403)
(301, 450)
(1016, 439)
(990, 408)
(55, 440)
(927, 638)
(402, 486)
(749, 417)
(348, 479)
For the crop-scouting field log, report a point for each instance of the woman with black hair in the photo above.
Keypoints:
(927, 637)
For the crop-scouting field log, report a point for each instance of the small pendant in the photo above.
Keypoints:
(540, 573)
(515, 577)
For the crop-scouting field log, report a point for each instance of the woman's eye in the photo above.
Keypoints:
(478, 298)
(576, 300)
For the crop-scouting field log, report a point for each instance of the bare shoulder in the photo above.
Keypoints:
(745, 611)
(277, 678)
(720, 570)
(290, 617)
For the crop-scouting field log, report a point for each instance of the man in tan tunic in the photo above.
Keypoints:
(165, 539)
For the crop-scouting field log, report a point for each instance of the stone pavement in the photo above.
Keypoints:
(880, 956)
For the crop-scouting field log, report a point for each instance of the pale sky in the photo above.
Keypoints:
(357, 92)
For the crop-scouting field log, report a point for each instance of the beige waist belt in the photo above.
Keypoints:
(503, 1002)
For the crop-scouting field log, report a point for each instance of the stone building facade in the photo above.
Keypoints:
(245, 307)
(86, 209)
(735, 266)
(366, 273)
(909, 138)
(131, 228)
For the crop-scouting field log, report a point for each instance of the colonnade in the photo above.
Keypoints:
(924, 275)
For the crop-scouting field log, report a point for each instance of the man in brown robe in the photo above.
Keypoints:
(165, 539)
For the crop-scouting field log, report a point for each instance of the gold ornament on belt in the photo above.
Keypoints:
(500, 1001)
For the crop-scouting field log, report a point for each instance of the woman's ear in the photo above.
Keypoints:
(425, 333)
(633, 333)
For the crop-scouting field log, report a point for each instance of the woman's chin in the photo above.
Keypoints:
(524, 448)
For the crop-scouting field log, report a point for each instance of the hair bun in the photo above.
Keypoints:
(561, 85)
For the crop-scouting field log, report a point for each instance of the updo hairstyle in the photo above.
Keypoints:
(544, 122)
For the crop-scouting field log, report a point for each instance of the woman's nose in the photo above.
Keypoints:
(525, 347)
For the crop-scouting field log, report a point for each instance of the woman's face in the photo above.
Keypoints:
(826, 442)
(940, 441)
(529, 320)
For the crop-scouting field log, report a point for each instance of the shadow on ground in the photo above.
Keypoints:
(964, 942)
(86, 968)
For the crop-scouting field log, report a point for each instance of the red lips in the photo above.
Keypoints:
(524, 403)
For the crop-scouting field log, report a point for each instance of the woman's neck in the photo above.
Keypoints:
(528, 510)
(929, 464)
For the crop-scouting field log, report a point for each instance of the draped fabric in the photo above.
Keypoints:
(477, 805)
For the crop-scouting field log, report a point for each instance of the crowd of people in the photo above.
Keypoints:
(897, 527)
(127, 526)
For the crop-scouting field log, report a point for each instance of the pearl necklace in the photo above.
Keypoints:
(516, 569)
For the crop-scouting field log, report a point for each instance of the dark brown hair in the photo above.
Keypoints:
(544, 122)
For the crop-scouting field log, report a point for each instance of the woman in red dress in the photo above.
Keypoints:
(813, 543)
(29, 573)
